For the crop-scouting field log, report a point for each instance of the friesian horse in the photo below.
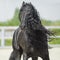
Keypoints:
(30, 38)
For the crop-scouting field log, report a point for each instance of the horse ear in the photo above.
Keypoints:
(23, 3)
(30, 3)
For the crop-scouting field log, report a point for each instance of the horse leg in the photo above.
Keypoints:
(20, 52)
(15, 55)
(34, 58)
(12, 56)
(46, 57)
(25, 57)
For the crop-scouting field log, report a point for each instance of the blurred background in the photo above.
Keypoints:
(49, 11)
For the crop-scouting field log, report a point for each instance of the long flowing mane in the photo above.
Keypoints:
(31, 21)
(33, 11)
(31, 18)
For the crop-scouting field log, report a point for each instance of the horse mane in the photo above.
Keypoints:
(36, 31)
(35, 13)
(33, 19)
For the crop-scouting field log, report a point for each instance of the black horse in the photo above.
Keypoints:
(30, 39)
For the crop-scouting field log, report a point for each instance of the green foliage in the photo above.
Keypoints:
(15, 21)
(50, 23)
(55, 41)
(8, 42)
(56, 31)
(56, 23)
(46, 22)
(12, 22)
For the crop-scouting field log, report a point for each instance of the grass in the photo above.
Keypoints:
(55, 41)
(56, 31)
(13, 21)
(8, 42)
(50, 23)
